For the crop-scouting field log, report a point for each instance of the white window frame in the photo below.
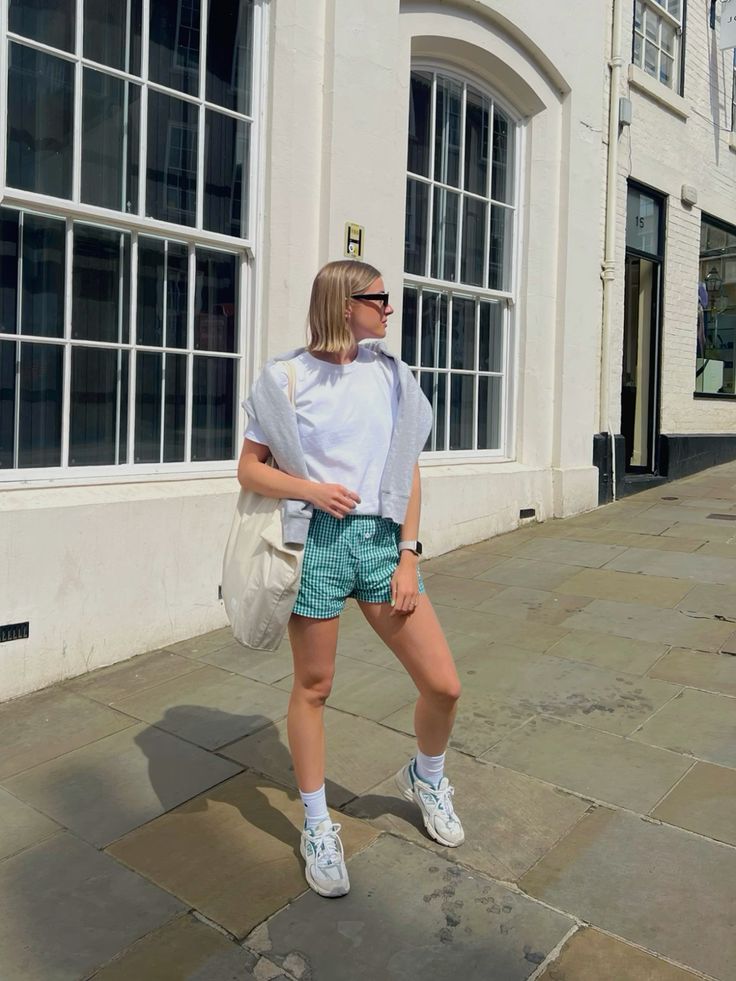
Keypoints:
(658, 9)
(733, 94)
(507, 424)
(71, 210)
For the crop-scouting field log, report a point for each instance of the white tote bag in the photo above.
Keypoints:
(260, 574)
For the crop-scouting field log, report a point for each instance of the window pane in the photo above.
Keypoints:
(675, 8)
(434, 330)
(474, 237)
(177, 295)
(668, 39)
(148, 368)
(174, 40)
(716, 320)
(435, 388)
(463, 334)
(638, 45)
(491, 337)
(39, 432)
(230, 54)
(489, 413)
(462, 413)
(100, 284)
(9, 234)
(99, 407)
(215, 304)
(213, 415)
(499, 266)
(171, 176)
(447, 132)
(666, 70)
(50, 21)
(415, 245)
(43, 276)
(504, 158)
(175, 410)
(444, 234)
(651, 25)
(112, 33)
(477, 124)
(420, 123)
(638, 15)
(226, 174)
(8, 351)
(110, 142)
(40, 122)
(151, 265)
(409, 327)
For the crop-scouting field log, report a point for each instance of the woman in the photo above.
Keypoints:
(361, 422)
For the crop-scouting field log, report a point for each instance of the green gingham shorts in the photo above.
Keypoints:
(352, 556)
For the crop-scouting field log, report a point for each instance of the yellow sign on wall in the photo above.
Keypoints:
(354, 240)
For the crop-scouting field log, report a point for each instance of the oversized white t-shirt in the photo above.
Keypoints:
(345, 418)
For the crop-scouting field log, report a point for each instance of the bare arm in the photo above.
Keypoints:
(255, 474)
(405, 581)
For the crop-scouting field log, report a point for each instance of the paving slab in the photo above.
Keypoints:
(195, 647)
(640, 864)
(366, 689)
(542, 684)
(47, 724)
(463, 593)
(590, 554)
(411, 914)
(697, 566)
(106, 789)
(510, 820)
(697, 669)
(646, 523)
(492, 628)
(480, 723)
(618, 536)
(210, 707)
(534, 605)
(711, 531)
(462, 563)
(188, 949)
(136, 674)
(532, 574)
(21, 825)
(695, 722)
(641, 622)
(264, 666)
(703, 801)
(710, 600)
(609, 651)
(231, 853)
(359, 753)
(590, 954)
(722, 550)
(67, 908)
(595, 764)
(626, 586)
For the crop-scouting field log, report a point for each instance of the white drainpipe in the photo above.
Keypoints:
(609, 257)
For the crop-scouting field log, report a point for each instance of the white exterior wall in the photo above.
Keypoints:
(106, 571)
(669, 144)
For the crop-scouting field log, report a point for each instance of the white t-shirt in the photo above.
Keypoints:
(345, 418)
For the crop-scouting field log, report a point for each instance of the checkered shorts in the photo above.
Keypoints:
(353, 556)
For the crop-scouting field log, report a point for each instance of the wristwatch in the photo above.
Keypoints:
(415, 547)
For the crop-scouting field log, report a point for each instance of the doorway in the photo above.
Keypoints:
(642, 329)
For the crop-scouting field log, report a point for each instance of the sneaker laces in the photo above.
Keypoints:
(442, 798)
(328, 847)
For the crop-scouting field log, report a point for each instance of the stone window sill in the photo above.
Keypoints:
(643, 82)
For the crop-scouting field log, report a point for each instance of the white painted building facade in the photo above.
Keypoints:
(163, 224)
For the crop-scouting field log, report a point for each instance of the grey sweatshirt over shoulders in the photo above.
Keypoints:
(268, 404)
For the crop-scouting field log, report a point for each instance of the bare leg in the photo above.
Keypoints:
(313, 645)
(419, 643)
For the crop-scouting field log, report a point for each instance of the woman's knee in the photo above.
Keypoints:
(315, 690)
(445, 691)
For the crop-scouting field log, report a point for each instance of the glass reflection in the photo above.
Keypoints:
(213, 410)
(100, 284)
(174, 44)
(110, 142)
(230, 54)
(44, 250)
(226, 175)
(112, 33)
(171, 176)
(215, 311)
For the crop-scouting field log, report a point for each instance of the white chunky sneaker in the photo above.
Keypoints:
(435, 803)
(324, 859)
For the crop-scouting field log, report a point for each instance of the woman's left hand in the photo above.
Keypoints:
(405, 585)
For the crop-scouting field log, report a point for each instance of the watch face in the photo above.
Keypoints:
(419, 548)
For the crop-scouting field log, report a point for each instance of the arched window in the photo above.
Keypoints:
(461, 221)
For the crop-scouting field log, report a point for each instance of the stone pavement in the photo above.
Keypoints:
(148, 818)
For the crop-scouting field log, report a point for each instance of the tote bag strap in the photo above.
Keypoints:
(291, 372)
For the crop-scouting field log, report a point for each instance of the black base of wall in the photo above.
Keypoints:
(679, 456)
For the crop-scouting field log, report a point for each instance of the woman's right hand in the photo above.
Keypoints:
(333, 498)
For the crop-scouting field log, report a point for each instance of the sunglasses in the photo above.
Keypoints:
(380, 297)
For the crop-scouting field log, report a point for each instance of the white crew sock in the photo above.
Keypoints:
(430, 769)
(315, 806)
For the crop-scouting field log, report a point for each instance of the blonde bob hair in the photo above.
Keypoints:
(334, 284)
